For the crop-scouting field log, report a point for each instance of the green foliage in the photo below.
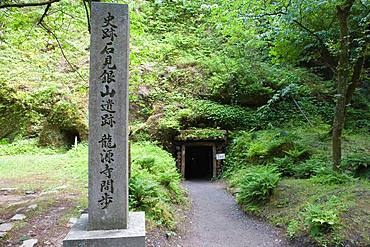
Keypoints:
(285, 165)
(139, 132)
(29, 146)
(321, 219)
(36, 72)
(295, 110)
(146, 163)
(297, 31)
(325, 215)
(154, 183)
(330, 177)
(143, 191)
(14, 115)
(292, 228)
(358, 119)
(257, 184)
(257, 149)
(309, 168)
(202, 134)
(302, 201)
(358, 164)
(261, 147)
(213, 114)
(297, 153)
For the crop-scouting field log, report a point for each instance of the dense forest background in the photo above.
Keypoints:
(288, 80)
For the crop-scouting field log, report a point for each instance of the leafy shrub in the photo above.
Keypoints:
(236, 156)
(358, 165)
(257, 184)
(330, 177)
(154, 182)
(15, 115)
(146, 163)
(213, 114)
(292, 228)
(323, 218)
(285, 165)
(288, 109)
(297, 153)
(4, 141)
(259, 148)
(358, 119)
(308, 168)
(143, 191)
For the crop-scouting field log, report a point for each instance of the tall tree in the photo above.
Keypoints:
(331, 36)
(344, 70)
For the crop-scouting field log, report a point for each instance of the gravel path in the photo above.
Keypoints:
(217, 221)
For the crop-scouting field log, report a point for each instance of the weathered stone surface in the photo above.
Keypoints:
(32, 206)
(18, 210)
(71, 222)
(8, 189)
(133, 236)
(29, 243)
(2, 234)
(108, 117)
(18, 217)
(108, 222)
(6, 227)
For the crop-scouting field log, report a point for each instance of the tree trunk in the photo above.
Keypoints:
(343, 11)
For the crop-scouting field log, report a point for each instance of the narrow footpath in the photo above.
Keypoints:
(217, 221)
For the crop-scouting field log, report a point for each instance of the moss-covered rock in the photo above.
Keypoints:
(47, 113)
(201, 134)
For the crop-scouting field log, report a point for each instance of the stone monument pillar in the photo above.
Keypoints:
(108, 222)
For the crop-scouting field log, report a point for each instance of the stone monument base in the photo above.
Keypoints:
(133, 236)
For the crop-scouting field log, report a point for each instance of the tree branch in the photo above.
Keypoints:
(87, 16)
(301, 110)
(364, 5)
(325, 53)
(62, 51)
(44, 14)
(271, 14)
(310, 32)
(22, 5)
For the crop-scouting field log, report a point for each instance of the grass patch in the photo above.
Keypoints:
(329, 214)
(54, 173)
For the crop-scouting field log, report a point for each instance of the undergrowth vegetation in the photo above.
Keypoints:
(155, 183)
(285, 176)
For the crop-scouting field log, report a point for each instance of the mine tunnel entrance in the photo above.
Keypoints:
(199, 162)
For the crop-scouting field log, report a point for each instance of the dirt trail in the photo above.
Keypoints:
(217, 221)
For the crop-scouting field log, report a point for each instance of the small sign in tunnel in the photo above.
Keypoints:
(198, 162)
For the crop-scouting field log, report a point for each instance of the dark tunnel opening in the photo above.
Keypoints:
(70, 137)
(198, 162)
